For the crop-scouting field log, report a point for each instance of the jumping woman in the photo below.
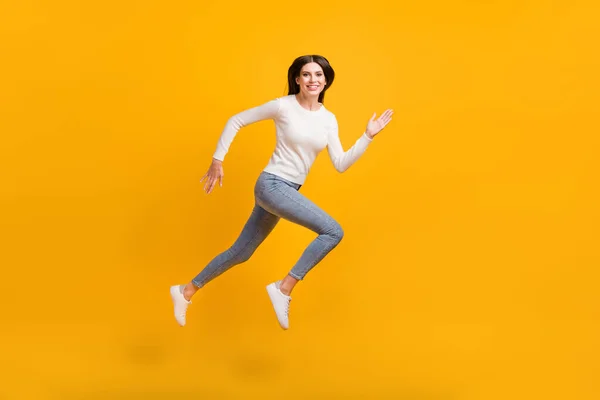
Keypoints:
(304, 128)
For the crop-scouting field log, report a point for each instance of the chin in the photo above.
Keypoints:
(309, 93)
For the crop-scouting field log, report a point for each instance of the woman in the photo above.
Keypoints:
(304, 128)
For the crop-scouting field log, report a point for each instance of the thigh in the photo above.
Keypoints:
(286, 202)
(257, 228)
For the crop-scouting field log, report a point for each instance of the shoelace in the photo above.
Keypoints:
(287, 306)
(182, 310)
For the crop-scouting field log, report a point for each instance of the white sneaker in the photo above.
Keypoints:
(180, 303)
(281, 303)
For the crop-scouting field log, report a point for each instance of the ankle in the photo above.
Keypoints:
(189, 291)
(287, 284)
(285, 290)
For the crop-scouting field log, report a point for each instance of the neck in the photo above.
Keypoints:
(309, 102)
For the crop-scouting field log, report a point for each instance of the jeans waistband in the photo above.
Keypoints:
(279, 178)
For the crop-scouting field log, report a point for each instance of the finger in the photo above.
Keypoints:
(221, 180)
(211, 187)
(382, 119)
(382, 125)
(201, 179)
(208, 184)
(387, 114)
(373, 117)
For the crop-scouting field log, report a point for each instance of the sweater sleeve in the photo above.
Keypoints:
(265, 111)
(343, 160)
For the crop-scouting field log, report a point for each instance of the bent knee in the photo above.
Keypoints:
(336, 232)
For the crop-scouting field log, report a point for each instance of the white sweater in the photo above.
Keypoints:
(301, 136)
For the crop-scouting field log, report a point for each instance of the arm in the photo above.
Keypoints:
(215, 173)
(343, 160)
(265, 111)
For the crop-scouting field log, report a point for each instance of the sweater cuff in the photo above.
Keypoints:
(219, 154)
(367, 137)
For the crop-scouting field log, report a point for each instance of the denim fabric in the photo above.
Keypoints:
(276, 198)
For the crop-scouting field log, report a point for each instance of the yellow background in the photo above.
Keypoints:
(469, 269)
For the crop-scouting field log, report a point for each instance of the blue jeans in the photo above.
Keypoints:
(277, 198)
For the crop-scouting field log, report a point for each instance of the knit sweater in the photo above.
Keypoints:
(301, 135)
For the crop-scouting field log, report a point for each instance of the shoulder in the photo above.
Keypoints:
(329, 116)
(274, 105)
(330, 121)
(286, 101)
(282, 102)
(328, 113)
(283, 99)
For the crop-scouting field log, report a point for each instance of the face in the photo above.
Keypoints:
(311, 80)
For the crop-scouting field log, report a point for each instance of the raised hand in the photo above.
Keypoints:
(374, 126)
(214, 174)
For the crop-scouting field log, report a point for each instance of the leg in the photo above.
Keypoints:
(255, 231)
(286, 202)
